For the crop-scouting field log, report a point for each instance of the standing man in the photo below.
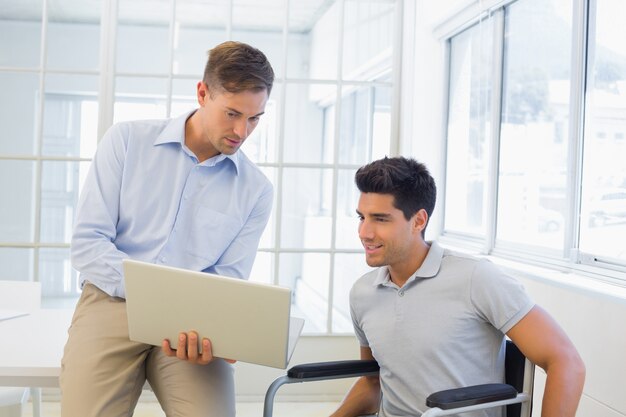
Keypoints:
(175, 192)
(436, 320)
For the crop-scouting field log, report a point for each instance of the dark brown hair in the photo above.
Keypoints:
(235, 67)
(408, 181)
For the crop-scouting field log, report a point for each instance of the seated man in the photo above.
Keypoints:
(434, 319)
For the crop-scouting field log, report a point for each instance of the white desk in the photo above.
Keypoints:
(31, 348)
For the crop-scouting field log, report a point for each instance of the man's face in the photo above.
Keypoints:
(229, 118)
(388, 238)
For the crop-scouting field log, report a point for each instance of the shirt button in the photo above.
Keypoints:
(401, 293)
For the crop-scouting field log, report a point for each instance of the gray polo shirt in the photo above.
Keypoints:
(443, 329)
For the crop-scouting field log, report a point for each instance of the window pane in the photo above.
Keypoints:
(184, 96)
(61, 183)
(139, 98)
(263, 268)
(17, 185)
(56, 275)
(368, 37)
(603, 219)
(355, 135)
(70, 116)
(469, 129)
(348, 268)
(299, 54)
(306, 208)
(313, 29)
(381, 123)
(18, 113)
(324, 41)
(143, 43)
(534, 128)
(305, 124)
(199, 27)
(348, 194)
(20, 34)
(17, 264)
(307, 276)
(73, 35)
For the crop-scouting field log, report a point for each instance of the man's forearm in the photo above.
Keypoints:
(564, 385)
(363, 398)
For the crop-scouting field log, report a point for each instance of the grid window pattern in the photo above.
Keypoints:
(71, 72)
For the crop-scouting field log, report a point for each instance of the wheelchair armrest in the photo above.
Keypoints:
(466, 396)
(317, 372)
(337, 369)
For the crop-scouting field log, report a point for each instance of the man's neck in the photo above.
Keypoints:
(194, 139)
(400, 274)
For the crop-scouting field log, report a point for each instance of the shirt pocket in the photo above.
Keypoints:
(211, 234)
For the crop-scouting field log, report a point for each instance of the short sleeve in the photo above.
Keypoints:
(358, 330)
(498, 298)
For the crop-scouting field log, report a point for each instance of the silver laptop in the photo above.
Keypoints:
(246, 321)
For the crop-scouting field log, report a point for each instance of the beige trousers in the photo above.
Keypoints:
(103, 372)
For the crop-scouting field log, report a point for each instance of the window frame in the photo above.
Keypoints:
(571, 258)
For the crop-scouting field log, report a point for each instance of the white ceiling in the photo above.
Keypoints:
(264, 15)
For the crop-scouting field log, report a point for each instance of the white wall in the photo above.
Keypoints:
(594, 317)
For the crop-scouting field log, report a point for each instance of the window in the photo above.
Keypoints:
(469, 130)
(49, 117)
(329, 113)
(603, 206)
(532, 177)
(560, 191)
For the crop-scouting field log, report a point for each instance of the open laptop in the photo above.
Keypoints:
(246, 321)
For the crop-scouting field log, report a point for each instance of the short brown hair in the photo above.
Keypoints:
(408, 181)
(235, 67)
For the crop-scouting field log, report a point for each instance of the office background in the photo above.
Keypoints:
(518, 107)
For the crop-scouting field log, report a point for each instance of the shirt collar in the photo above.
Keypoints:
(174, 132)
(429, 268)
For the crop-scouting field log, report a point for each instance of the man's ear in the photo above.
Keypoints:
(420, 220)
(202, 92)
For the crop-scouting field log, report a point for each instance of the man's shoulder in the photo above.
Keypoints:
(250, 169)
(480, 270)
(458, 259)
(366, 282)
(137, 129)
(148, 126)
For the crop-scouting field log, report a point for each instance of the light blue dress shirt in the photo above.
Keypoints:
(146, 197)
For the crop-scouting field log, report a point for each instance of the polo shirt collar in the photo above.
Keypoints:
(429, 268)
(174, 132)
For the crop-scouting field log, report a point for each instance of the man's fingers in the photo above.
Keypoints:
(181, 352)
(192, 346)
(188, 349)
(167, 349)
(207, 353)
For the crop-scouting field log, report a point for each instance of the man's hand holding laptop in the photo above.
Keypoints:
(189, 351)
